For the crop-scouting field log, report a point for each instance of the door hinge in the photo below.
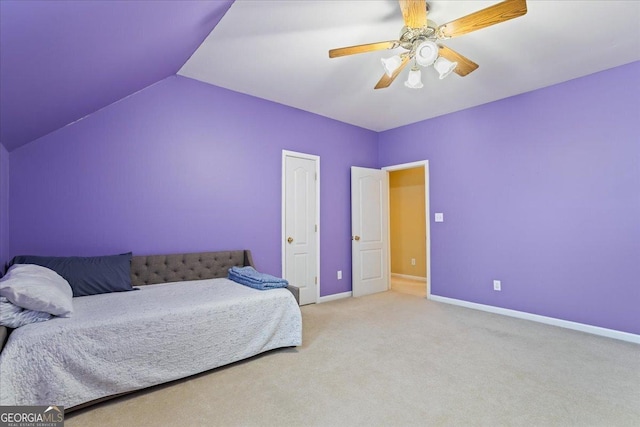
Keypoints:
(315, 176)
(315, 280)
(316, 228)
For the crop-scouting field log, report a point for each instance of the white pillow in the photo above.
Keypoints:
(13, 316)
(37, 288)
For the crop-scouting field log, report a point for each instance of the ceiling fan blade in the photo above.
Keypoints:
(414, 12)
(492, 15)
(385, 81)
(362, 48)
(465, 65)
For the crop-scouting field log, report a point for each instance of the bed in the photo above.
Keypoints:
(192, 319)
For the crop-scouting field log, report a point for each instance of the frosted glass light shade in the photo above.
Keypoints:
(414, 81)
(444, 67)
(391, 64)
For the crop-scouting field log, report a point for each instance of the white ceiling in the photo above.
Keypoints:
(278, 50)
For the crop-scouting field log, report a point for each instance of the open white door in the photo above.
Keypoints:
(369, 230)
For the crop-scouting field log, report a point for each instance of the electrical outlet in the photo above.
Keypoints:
(413, 261)
(497, 286)
(439, 217)
(339, 274)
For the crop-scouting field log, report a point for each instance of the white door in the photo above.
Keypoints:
(369, 230)
(300, 226)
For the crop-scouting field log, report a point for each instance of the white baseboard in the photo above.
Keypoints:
(334, 297)
(596, 330)
(406, 276)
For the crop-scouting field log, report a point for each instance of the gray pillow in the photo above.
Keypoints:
(87, 275)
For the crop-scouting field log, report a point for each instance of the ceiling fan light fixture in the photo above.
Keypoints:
(426, 53)
(414, 81)
(419, 35)
(444, 67)
(391, 64)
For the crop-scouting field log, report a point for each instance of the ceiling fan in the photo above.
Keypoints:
(420, 36)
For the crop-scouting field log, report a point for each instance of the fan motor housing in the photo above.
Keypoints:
(409, 36)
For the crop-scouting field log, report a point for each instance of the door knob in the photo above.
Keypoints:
(357, 238)
(290, 240)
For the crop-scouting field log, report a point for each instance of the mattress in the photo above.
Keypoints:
(120, 342)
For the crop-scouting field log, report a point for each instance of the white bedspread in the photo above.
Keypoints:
(126, 341)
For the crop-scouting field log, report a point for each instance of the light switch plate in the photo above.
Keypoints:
(439, 217)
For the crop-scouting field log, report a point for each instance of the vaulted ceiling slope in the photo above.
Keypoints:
(63, 60)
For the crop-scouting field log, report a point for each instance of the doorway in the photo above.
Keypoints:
(409, 241)
(371, 263)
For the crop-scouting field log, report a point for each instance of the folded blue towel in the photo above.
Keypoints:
(248, 276)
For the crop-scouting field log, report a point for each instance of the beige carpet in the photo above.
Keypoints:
(409, 286)
(393, 359)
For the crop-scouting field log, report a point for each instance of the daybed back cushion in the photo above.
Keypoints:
(153, 269)
(87, 275)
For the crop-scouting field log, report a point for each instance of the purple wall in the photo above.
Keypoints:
(541, 191)
(4, 207)
(182, 166)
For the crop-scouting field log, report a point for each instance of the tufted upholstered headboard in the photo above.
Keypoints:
(153, 269)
